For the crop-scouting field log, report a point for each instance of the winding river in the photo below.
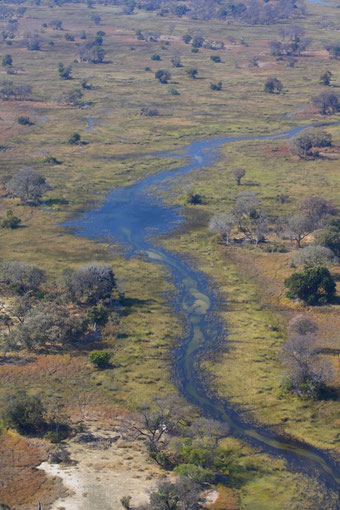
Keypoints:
(134, 217)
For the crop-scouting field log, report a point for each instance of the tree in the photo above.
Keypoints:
(302, 145)
(65, 72)
(197, 41)
(187, 38)
(330, 237)
(12, 222)
(238, 174)
(181, 495)
(47, 325)
(307, 371)
(299, 226)
(318, 209)
(24, 412)
(32, 41)
(156, 421)
(302, 325)
(273, 85)
(22, 278)
(313, 285)
(90, 283)
(73, 97)
(163, 75)
(250, 218)
(192, 73)
(28, 185)
(325, 78)
(91, 52)
(96, 19)
(313, 256)
(334, 50)
(327, 102)
(7, 61)
(222, 224)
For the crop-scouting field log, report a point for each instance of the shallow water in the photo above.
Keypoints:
(134, 217)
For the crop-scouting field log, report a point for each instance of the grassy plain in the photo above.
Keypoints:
(122, 147)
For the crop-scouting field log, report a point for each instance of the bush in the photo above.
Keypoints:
(25, 412)
(174, 92)
(163, 75)
(273, 85)
(156, 57)
(98, 315)
(7, 61)
(195, 473)
(25, 121)
(148, 111)
(51, 160)
(100, 359)
(192, 73)
(10, 221)
(216, 86)
(314, 286)
(74, 139)
(216, 58)
(313, 256)
(193, 198)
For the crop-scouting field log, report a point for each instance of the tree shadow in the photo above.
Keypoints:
(129, 303)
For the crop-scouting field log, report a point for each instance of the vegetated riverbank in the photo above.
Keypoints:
(130, 215)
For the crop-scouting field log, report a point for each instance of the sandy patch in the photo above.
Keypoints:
(102, 477)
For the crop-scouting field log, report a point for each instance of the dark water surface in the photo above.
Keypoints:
(133, 216)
